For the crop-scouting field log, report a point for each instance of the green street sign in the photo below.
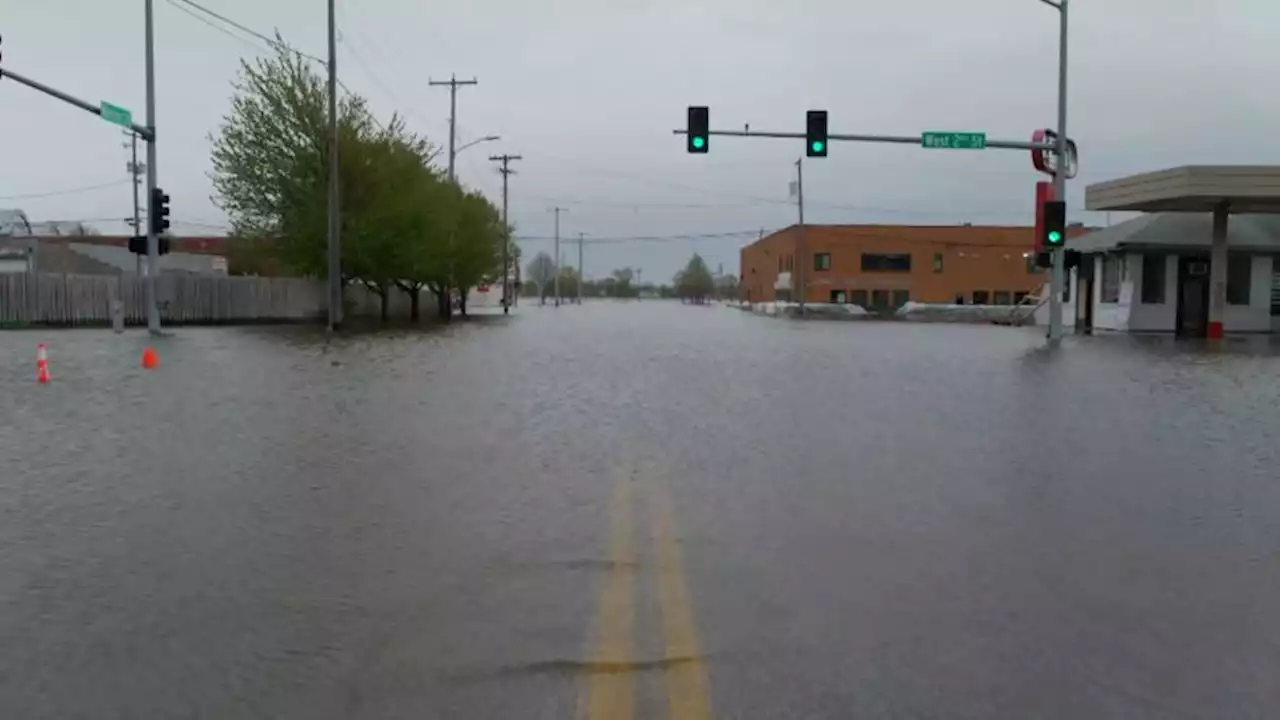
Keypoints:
(954, 140)
(116, 115)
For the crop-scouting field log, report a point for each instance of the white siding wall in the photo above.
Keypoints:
(1145, 317)
(1256, 316)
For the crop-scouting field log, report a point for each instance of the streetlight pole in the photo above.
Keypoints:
(1057, 277)
(335, 222)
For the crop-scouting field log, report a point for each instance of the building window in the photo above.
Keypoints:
(822, 261)
(896, 262)
(837, 297)
(901, 297)
(859, 298)
(1239, 272)
(1001, 298)
(781, 261)
(790, 262)
(1018, 297)
(1153, 275)
(980, 297)
(959, 298)
(937, 262)
(879, 299)
(1111, 278)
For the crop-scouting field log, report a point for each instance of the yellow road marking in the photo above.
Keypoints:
(610, 693)
(688, 690)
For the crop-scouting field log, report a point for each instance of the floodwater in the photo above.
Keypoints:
(639, 510)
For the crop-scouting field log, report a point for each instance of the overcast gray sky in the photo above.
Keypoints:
(588, 93)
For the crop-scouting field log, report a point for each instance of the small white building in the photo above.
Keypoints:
(1201, 263)
(1151, 274)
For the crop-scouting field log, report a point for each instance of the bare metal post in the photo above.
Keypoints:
(581, 275)
(799, 276)
(153, 242)
(335, 209)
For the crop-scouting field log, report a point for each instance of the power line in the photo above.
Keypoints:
(69, 191)
(242, 28)
(216, 26)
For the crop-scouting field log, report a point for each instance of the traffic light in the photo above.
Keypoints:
(1055, 224)
(159, 211)
(138, 245)
(815, 134)
(699, 129)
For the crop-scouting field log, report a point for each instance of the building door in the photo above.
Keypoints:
(837, 297)
(1193, 296)
(1084, 294)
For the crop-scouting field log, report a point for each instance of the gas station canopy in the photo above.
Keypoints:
(1191, 188)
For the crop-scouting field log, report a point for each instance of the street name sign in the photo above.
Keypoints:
(954, 140)
(115, 114)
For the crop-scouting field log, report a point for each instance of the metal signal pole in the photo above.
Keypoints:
(1057, 277)
(799, 276)
(335, 217)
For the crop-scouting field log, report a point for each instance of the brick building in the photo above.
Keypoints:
(884, 266)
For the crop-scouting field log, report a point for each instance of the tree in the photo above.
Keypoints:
(477, 249)
(271, 172)
(694, 283)
(542, 272)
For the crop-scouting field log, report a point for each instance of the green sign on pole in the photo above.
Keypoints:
(954, 140)
(116, 115)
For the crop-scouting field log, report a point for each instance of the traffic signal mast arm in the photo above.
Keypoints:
(7, 74)
(900, 139)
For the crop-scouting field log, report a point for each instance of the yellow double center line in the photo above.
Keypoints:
(610, 693)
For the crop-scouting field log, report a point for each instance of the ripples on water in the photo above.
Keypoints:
(886, 519)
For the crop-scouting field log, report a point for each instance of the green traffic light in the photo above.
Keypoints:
(818, 145)
(698, 142)
(1055, 237)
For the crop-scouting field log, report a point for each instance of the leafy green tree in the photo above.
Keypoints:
(477, 247)
(695, 283)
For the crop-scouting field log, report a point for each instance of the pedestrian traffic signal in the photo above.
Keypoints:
(159, 211)
(1055, 224)
(815, 135)
(698, 133)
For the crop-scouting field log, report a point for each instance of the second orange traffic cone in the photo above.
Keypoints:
(150, 360)
(42, 365)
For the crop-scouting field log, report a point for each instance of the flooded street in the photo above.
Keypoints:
(639, 510)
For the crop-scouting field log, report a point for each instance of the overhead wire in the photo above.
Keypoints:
(68, 191)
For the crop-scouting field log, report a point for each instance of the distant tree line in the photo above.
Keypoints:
(694, 284)
(405, 226)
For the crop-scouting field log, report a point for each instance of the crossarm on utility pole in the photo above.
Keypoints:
(146, 133)
(899, 139)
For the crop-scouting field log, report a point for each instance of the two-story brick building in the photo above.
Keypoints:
(884, 266)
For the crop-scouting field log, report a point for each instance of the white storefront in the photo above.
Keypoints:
(1152, 274)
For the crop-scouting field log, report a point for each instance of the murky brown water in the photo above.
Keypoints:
(874, 520)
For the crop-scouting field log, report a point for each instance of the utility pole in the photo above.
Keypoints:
(1057, 277)
(581, 275)
(557, 210)
(798, 274)
(506, 171)
(335, 209)
(135, 178)
(453, 82)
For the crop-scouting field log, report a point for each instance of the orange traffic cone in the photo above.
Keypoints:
(42, 365)
(150, 360)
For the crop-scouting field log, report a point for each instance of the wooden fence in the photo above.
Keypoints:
(36, 299)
